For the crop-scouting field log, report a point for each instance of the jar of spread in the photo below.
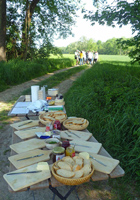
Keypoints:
(70, 151)
(57, 125)
(49, 127)
(65, 144)
(58, 153)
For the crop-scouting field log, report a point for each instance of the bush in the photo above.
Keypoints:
(18, 71)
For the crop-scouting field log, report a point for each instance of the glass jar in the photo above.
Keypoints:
(65, 144)
(58, 153)
(57, 125)
(56, 134)
(70, 151)
(49, 127)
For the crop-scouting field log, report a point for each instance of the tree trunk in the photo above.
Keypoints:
(2, 30)
(27, 22)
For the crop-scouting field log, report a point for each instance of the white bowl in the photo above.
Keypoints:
(51, 146)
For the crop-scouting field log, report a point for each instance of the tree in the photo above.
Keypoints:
(39, 19)
(2, 30)
(122, 13)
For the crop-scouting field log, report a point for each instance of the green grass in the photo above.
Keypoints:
(69, 56)
(108, 96)
(114, 58)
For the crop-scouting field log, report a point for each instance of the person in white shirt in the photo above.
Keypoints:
(90, 56)
(84, 56)
(95, 57)
(77, 56)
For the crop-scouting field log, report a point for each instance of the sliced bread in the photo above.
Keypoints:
(65, 173)
(65, 165)
(78, 160)
(86, 169)
(68, 159)
(78, 174)
(76, 167)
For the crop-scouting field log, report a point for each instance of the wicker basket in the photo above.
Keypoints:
(45, 122)
(70, 181)
(74, 126)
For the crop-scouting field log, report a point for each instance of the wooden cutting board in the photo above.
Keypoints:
(110, 162)
(26, 134)
(71, 134)
(90, 147)
(28, 145)
(27, 162)
(18, 127)
(20, 181)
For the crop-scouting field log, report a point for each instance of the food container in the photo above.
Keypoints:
(57, 125)
(65, 144)
(51, 143)
(70, 151)
(58, 153)
(56, 134)
(52, 92)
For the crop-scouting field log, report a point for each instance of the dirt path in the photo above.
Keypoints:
(14, 91)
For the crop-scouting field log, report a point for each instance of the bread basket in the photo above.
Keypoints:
(70, 181)
(70, 123)
(50, 117)
(45, 122)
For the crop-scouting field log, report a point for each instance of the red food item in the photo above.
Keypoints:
(57, 125)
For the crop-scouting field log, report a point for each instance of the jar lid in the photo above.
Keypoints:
(58, 150)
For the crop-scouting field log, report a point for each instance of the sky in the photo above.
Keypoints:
(96, 32)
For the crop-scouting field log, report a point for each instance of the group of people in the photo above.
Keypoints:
(88, 57)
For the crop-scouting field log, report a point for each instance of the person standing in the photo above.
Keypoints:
(90, 56)
(81, 58)
(77, 56)
(84, 56)
(95, 57)
(87, 57)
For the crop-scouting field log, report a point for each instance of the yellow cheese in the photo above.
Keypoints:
(84, 155)
(43, 166)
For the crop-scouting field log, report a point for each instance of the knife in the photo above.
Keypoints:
(80, 145)
(31, 157)
(73, 133)
(25, 123)
(97, 160)
(35, 127)
(15, 173)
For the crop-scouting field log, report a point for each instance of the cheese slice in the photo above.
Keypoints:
(84, 155)
(43, 166)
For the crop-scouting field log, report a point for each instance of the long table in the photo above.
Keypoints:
(52, 183)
